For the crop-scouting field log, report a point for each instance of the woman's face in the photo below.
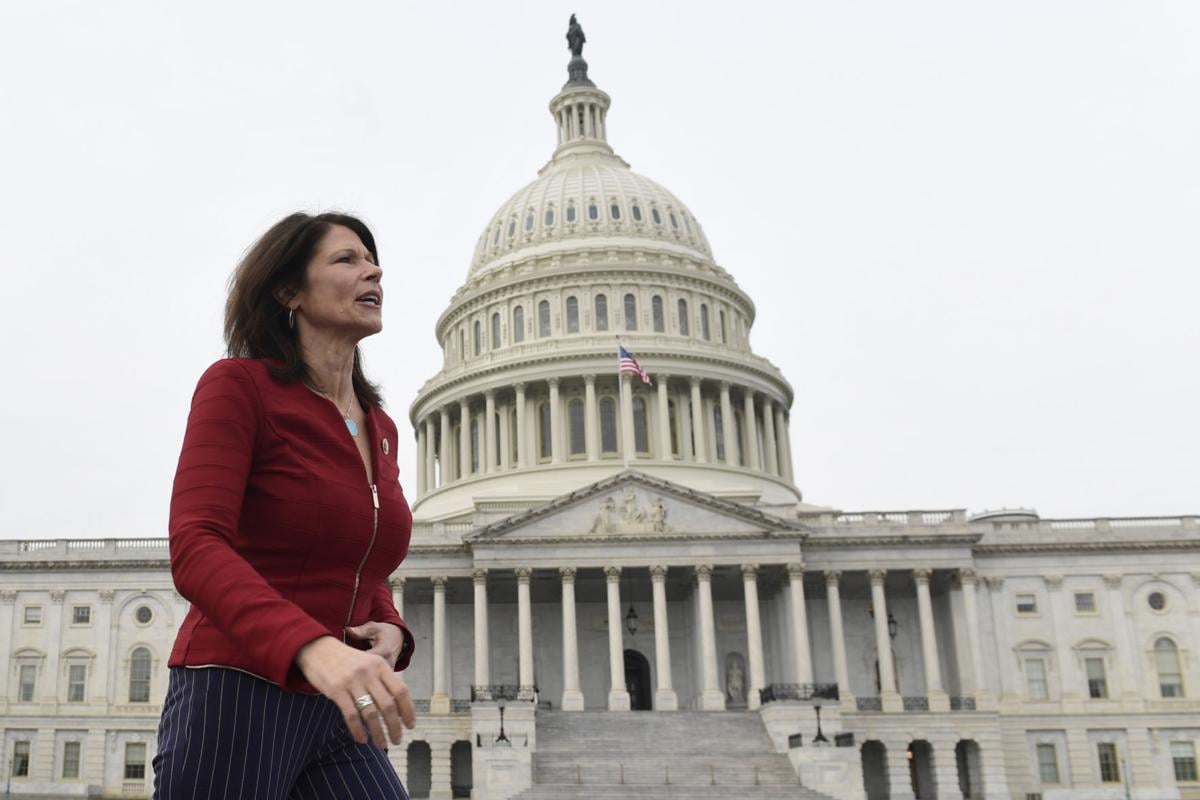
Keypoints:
(342, 294)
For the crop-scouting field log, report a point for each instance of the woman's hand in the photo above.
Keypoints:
(343, 674)
(385, 639)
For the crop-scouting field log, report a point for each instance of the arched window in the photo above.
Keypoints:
(704, 329)
(724, 337)
(571, 212)
(1166, 660)
(139, 675)
(656, 216)
(572, 315)
(577, 445)
(512, 228)
(738, 437)
(656, 312)
(529, 221)
(518, 329)
(608, 425)
(474, 444)
(683, 317)
(719, 432)
(495, 330)
(674, 222)
(637, 213)
(614, 211)
(543, 319)
(593, 211)
(641, 438)
(601, 312)
(478, 338)
(549, 217)
(496, 238)
(544, 448)
(512, 437)
(630, 312)
(462, 344)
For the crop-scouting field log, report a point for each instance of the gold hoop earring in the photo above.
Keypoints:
(291, 318)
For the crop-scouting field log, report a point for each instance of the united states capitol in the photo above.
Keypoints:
(619, 591)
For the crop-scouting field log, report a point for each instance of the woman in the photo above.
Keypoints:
(287, 518)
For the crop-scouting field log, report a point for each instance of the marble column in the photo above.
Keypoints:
(464, 439)
(883, 644)
(711, 698)
(482, 651)
(938, 700)
(983, 696)
(837, 636)
(591, 416)
(628, 444)
(505, 437)
(440, 771)
(664, 419)
(945, 766)
(556, 437)
(783, 438)
(1073, 685)
(770, 443)
(618, 696)
(899, 768)
(683, 425)
(422, 460)
(800, 646)
(572, 698)
(1126, 687)
(430, 454)
(440, 702)
(664, 694)
(397, 586)
(522, 434)
(727, 429)
(750, 424)
(444, 448)
(489, 431)
(754, 644)
(524, 634)
(699, 432)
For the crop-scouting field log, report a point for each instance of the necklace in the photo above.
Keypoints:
(351, 425)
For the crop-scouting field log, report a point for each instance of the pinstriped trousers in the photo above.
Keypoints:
(228, 734)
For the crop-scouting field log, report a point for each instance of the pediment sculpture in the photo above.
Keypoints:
(630, 517)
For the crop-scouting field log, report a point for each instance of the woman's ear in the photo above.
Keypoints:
(284, 295)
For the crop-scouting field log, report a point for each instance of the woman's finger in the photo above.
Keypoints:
(403, 696)
(370, 718)
(354, 723)
(388, 711)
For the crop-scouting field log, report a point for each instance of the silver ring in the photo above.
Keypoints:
(364, 701)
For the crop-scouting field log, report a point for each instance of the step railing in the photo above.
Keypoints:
(798, 691)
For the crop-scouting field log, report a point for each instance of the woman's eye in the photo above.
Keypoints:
(346, 259)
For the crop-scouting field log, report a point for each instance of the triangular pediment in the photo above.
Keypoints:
(635, 506)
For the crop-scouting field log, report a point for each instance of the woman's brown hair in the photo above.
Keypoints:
(256, 323)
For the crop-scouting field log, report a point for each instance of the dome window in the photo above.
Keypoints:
(657, 217)
(601, 304)
(630, 312)
(543, 319)
(572, 315)
(549, 218)
(544, 432)
(674, 222)
(656, 313)
(683, 318)
(496, 238)
(724, 336)
(637, 212)
(577, 441)
(478, 338)
(529, 222)
(614, 211)
(687, 225)
(593, 212)
(495, 330)
(512, 228)
(641, 437)
(518, 329)
(571, 213)
(704, 329)
(608, 425)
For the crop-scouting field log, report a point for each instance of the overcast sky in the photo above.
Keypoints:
(971, 230)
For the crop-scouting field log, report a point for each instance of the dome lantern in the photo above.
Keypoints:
(580, 109)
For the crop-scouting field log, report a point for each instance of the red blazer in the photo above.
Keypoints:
(276, 537)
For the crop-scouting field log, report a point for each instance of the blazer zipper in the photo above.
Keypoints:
(363, 563)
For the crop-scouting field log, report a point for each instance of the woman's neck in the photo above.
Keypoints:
(331, 364)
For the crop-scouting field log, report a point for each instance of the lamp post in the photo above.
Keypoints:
(820, 738)
(502, 738)
(892, 625)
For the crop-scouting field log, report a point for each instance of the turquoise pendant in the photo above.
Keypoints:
(352, 426)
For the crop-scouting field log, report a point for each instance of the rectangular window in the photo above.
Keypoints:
(70, 761)
(1035, 678)
(1183, 756)
(135, 761)
(1097, 683)
(76, 682)
(1027, 604)
(27, 682)
(1110, 770)
(1085, 603)
(20, 766)
(33, 615)
(1047, 757)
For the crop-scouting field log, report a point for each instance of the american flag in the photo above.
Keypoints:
(629, 364)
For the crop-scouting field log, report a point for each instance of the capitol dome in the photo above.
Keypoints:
(588, 258)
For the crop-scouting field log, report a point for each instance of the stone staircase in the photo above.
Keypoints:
(609, 755)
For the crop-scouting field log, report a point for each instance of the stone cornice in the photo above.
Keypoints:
(1160, 545)
(819, 540)
(75, 563)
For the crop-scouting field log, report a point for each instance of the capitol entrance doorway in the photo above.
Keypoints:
(637, 681)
